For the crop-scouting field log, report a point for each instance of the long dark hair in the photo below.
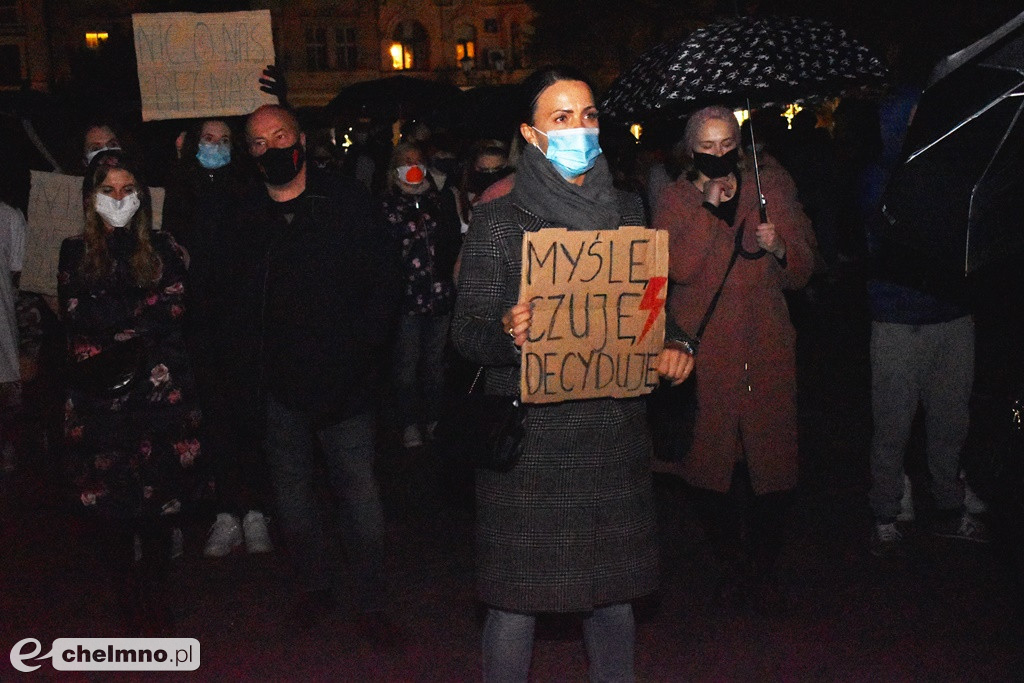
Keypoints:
(539, 81)
(530, 90)
(145, 264)
(192, 136)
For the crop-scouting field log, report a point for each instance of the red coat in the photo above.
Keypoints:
(746, 366)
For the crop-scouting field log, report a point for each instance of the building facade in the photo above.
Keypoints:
(24, 58)
(323, 45)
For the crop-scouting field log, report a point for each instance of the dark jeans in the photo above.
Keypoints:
(418, 367)
(348, 450)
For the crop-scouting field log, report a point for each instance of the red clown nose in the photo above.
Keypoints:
(414, 176)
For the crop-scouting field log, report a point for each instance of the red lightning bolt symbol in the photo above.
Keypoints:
(652, 303)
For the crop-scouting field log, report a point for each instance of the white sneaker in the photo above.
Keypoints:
(411, 437)
(886, 541)
(257, 538)
(225, 536)
(906, 502)
(966, 528)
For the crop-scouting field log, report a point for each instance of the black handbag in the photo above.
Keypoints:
(111, 373)
(484, 430)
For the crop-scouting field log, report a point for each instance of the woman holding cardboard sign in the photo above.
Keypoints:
(571, 528)
(744, 453)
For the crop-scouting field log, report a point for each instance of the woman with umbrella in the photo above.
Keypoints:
(571, 528)
(745, 434)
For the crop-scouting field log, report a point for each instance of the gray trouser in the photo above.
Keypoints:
(928, 364)
(608, 632)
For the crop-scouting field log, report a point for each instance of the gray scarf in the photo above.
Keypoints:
(543, 192)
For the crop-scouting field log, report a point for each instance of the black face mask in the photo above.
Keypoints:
(479, 181)
(717, 167)
(280, 166)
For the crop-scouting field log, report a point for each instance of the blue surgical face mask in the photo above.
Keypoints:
(572, 151)
(213, 155)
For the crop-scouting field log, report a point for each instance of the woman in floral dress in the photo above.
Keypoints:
(133, 448)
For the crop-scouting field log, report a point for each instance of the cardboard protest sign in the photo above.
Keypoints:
(55, 213)
(202, 65)
(598, 312)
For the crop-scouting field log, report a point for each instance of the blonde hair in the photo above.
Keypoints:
(695, 123)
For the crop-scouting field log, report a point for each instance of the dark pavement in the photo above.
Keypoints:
(948, 611)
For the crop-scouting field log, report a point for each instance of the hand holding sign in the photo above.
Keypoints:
(516, 322)
(273, 83)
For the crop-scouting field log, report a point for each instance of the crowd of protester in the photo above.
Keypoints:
(304, 297)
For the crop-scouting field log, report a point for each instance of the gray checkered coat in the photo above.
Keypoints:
(572, 526)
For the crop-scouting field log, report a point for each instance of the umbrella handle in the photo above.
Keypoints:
(761, 205)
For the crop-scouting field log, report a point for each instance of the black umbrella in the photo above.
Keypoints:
(736, 62)
(958, 196)
(393, 97)
(748, 59)
(486, 111)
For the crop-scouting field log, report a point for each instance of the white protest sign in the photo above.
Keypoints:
(54, 214)
(202, 65)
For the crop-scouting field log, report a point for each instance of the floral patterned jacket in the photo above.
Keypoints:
(425, 230)
(134, 454)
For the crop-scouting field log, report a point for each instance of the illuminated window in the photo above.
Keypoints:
(465, 42)
(463, 49)
(410, 47)
(94, 40)
(397, 63)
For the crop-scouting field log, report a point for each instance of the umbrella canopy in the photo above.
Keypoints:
(486, 111)
(766, 59)
(392, 97)
(959, 193)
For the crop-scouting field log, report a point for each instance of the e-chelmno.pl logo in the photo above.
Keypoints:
(109, 654)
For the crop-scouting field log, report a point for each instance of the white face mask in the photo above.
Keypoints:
(89, 155)
(118, 213)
